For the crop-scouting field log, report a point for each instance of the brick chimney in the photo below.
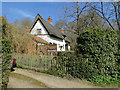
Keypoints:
(50, 20)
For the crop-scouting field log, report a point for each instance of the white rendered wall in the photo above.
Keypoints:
(59, 43)
(38, 25)
(53, 40)
(47, 37)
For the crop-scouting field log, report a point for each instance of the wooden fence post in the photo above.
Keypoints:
(51, 65)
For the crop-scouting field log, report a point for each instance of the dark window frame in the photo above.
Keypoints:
(39, 31)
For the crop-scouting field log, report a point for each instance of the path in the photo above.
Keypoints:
(51, 81)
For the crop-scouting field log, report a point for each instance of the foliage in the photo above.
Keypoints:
(64, 65)
(6, 53)
(99, 47)
(104, 80)
(19, 39)
(16, 34)
(67, 53)
(118, 57)
(0, 63)
(96, 59)
(6, 27)
(6, 62)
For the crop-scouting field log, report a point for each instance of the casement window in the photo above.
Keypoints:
(39, 31)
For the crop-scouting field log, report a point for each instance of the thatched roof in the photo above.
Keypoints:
(52, 31)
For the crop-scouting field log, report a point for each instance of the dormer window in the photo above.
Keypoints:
(39, 31)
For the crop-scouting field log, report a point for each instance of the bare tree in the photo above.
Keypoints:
(91, 19)
(117, 13)
(75, 11)
(108, 11)
(68, 30)
(26, 22)
(22, 24)
(61, 24)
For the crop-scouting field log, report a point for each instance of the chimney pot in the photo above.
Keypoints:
(27, 29)
(50, 20)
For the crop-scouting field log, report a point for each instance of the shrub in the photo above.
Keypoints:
(100, 48)
(5, 38)
(65, 65)
(6, 62)
(65, 53)
(118, 57)
(97, 58)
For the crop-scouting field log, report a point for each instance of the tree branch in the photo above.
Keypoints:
(116, 15)
(103, 15)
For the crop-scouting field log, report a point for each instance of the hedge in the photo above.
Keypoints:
(100, 48)
(63, 53)
(97, 58)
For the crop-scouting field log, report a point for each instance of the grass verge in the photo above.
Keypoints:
(26, 78)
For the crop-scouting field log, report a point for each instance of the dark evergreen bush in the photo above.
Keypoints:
(6, 62)
(64, 64)
(99, 49)
(65, 53)
(6, 53)
(97, 59)
(118, 57)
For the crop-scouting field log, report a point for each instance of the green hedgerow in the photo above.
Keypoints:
(100, 47)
